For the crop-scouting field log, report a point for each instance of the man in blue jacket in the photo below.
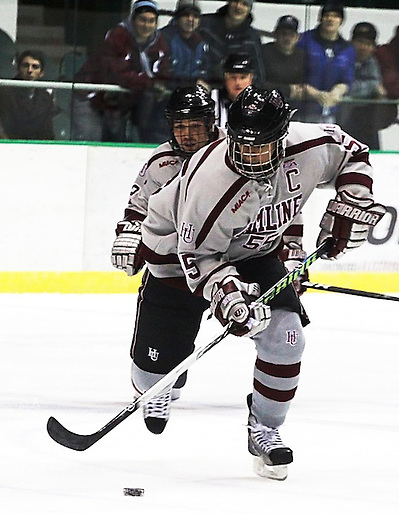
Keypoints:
(188, 52)
(330, 66)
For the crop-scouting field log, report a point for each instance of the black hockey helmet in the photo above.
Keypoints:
(189, 103)
(257, 117)
(238, 63)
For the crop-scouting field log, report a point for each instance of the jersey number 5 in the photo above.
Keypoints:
(191, 269)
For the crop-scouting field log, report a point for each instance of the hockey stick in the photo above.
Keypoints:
(78, 442)
(344, 290)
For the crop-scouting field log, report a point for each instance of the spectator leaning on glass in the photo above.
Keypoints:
(229, 31)
(188, 52)
(27, 112)
(330, 65)
(238, 73)
(284, 62)
(133, 55)
(363, 120)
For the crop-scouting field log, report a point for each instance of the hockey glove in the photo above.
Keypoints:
(292, 256)
(125, 250)
(348, 220)
(233, 301)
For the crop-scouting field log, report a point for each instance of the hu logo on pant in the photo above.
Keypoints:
(153, 354)
(292, 337)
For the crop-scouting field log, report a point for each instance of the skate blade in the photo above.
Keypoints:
(272, 472)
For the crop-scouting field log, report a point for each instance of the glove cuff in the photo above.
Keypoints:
(131, 227)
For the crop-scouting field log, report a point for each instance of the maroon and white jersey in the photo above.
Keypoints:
(161, 167)
(210, 217)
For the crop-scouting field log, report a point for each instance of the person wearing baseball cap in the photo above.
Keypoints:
(364, 37)
(284, 61)
(332, 7)
(187, 7)
(330, 65)
(362, 121)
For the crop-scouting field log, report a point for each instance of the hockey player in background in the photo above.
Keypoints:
(219, 225)
(191, 117)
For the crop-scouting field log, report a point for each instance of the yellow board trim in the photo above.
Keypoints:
(84, 282)
(75, 282)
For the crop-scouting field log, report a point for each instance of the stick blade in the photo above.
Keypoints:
(63, 436)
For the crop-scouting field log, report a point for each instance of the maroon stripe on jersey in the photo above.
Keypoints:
(228, 163)
(360, 157)
(274, 394)
(169, 153)
(219, 207)
(204, 156)
(278, 370)
(354, 178)
(307, 145)
(184, 167)
(157, 258)
(166, 184)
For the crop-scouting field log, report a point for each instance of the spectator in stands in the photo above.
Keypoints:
(188, 52)
(238, 73)
(330, 65)
(388, 58)
(27, 112)
(134, 55)
(229, 31)
(362, 121)
(284, 62)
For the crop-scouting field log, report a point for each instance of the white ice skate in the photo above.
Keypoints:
(271, 456)
(156, 412)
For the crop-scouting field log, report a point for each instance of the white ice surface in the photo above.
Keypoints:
(68, 356)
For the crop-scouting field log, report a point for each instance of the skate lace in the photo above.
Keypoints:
(266, 438)
(158, 407)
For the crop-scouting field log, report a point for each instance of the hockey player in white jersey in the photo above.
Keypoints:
(191, 117)
(223, 219)
(192, 126)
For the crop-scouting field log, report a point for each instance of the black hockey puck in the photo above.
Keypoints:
(133, 491)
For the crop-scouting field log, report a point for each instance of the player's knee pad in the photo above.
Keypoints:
(283, 341)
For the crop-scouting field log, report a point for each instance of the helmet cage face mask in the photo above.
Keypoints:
(257, 128)
(257, 161)
(190, 134)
